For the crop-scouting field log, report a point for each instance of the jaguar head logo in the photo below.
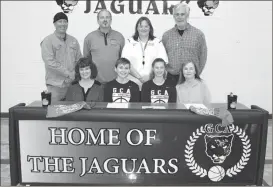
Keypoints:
(208, 7)
(67, 6)
(218, 147)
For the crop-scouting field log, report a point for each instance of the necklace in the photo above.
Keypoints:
(143, 51)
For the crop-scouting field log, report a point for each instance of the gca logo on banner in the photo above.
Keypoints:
(218, 148)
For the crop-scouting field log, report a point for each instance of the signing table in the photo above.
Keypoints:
(136, 146)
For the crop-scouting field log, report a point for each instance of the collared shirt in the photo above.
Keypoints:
(191, 46)
(105, 49)
(60, 57)
(197, 92)
(133, 52)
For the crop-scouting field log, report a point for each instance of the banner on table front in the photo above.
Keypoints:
(77, 152)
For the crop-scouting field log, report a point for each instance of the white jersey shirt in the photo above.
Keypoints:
(133, 51)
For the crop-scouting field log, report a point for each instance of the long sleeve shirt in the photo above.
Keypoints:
(105, 49)
(60, 58)
(76, 93)
(153, 93)
(133, 51)
(191, 46)
(198, 92)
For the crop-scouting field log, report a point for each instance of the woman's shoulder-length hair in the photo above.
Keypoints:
(85, 62)
(182, 78)
(139, 21)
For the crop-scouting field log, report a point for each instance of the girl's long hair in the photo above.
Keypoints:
(152, 74)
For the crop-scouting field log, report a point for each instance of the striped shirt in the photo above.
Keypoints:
(191, 46)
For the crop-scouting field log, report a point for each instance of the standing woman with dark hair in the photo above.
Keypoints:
(191, 88)
(158, 89)
(85, 87)
(142, 49)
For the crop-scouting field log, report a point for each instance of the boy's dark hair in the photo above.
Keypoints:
(122, 61)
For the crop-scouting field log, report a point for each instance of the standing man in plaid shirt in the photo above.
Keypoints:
(184, 43)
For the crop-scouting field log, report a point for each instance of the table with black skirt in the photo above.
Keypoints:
(136, 146)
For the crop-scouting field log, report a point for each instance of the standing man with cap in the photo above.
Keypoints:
(60, 53)
(105, 46)
(184, 43)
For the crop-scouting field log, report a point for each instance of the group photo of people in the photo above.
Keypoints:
(136, 92)
(142, 68)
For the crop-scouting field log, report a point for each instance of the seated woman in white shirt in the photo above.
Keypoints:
(191, 88)
(142, 49)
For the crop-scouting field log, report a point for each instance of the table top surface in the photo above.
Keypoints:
(103, 105)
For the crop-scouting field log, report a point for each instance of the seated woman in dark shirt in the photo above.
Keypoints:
(158, 89)
(85, 87)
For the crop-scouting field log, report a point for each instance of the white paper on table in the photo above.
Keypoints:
(117, 105)
(195, 105)
(153, 107)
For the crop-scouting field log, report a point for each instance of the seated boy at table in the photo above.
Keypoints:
(121, 89)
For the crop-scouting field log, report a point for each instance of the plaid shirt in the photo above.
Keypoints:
(191, 46)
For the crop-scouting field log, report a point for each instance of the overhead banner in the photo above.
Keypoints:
(136, 6)
(74, 152)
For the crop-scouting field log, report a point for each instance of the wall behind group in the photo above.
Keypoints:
(238, 34)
